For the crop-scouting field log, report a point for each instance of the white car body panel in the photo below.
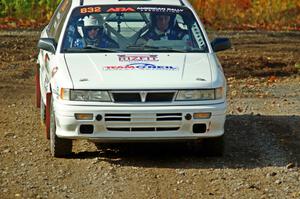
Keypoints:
(188, 74)
(96, 71)
(144, 117)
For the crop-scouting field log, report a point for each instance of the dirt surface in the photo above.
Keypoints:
(262, 153)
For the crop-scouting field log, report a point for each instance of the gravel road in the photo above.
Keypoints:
(262, 153)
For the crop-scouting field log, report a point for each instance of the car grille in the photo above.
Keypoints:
(143, 122)
(143, 96)
(145, 129)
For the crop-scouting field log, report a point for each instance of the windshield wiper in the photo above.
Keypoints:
(138, 47)
(90, 49)
(169, 49)
(181, 50)
(156, 48)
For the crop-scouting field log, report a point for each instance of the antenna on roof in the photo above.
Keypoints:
(81, 2)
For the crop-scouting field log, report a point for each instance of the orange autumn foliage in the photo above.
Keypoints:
(216, 14)
(249, 14)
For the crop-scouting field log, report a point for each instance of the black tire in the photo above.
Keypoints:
(214, 146)
(104, 146)
(59, 147)
(42, 112)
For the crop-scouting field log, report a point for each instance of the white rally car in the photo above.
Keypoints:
(129, 71)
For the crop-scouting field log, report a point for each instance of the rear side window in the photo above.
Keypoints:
(58, 19)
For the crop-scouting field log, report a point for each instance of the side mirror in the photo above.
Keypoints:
(48, 44)
(220, 44)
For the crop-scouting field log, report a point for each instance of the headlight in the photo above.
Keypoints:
(85, 95)
(198, 95)
(219, 92)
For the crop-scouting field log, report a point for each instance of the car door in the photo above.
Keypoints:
(53, 30)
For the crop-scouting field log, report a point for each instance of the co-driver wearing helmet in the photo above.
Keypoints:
(164, 27)
(94, 35)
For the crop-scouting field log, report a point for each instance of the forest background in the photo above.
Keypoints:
(216, 14)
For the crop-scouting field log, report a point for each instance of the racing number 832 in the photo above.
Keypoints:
(90, 10)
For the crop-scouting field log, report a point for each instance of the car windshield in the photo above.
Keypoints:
(128, 28)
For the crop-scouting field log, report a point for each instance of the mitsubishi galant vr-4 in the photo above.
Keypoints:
(113, 71)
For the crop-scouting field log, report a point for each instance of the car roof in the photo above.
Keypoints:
(133, 2)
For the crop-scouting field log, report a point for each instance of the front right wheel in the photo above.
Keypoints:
(59, 147)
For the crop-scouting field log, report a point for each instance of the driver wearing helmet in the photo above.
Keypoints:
(164, 27)
(94, 35)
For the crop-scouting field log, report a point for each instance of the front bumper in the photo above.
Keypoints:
(155, 123)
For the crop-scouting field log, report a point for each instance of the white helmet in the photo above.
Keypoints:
(92, 21)
(89, 23)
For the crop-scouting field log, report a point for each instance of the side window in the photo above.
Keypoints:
(58, 19)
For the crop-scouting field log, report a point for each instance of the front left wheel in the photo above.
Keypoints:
(59, 147)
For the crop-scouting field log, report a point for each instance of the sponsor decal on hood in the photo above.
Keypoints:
(138, 58)
(141, 66)
(104, 71)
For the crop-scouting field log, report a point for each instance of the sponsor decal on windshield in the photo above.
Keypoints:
(138, 58)
(90, 10)
(160, 9)
(141, 66)
(86, 10)
(121, 9)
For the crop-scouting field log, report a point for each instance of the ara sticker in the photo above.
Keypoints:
(121, 9)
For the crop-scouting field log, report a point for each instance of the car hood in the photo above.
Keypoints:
(139, 71)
